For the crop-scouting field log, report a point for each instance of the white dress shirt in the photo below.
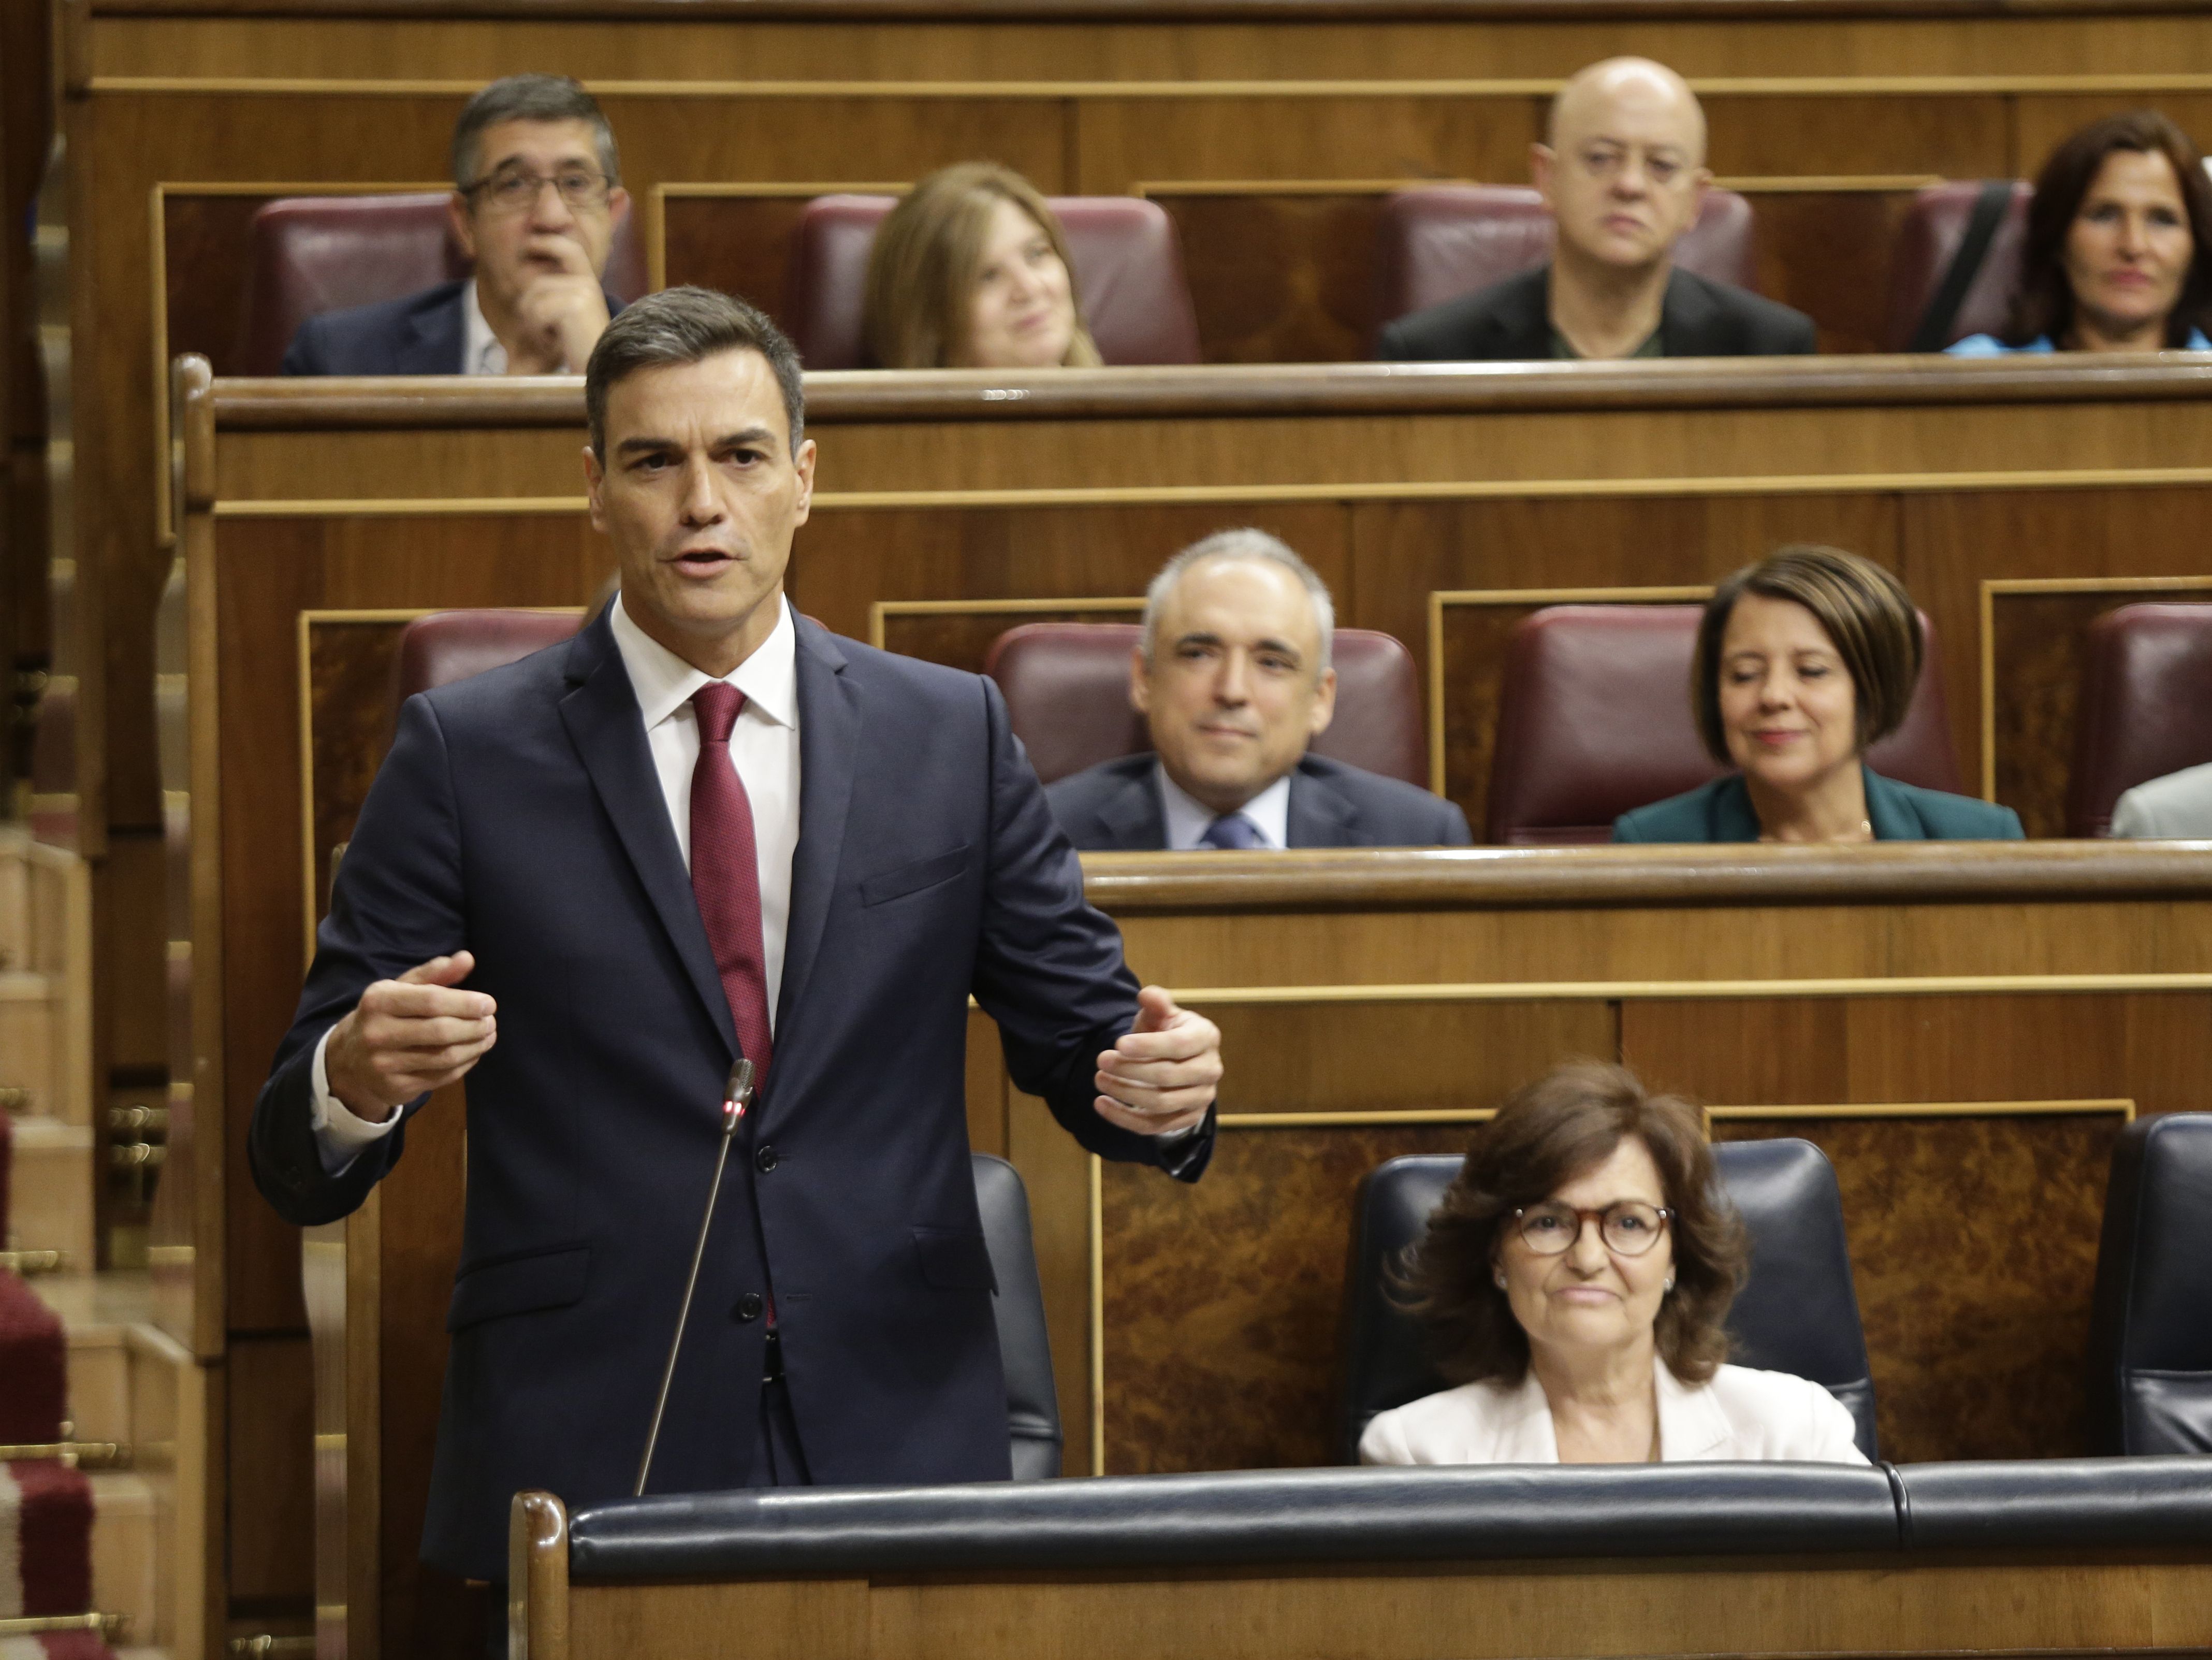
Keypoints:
(480, 352)
(764, 747)
(1188, 817)
(1741, 1414)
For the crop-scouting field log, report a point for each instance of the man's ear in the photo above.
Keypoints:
(1324, 709)
(465, 232)
(803, 464)
(1140, 682)
(1541, 163)
(594, 476)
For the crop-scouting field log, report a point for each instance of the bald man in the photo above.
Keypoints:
(1623, 175)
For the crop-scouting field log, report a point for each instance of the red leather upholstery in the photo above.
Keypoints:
(448, 646)
(1129, 269)
(1594, 719)
(1067, 687)
(1443, 240)
(1933, 228)
(2146, 708)
(319, 253)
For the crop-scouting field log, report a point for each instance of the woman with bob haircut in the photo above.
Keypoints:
(1574, 1279)
(1802, 662)
(2114, 258)
(971, 270)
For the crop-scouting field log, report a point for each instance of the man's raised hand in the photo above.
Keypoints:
(405, 1036)
(562, 308)
(1162, 1075)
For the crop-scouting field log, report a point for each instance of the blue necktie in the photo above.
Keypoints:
(1232, 829)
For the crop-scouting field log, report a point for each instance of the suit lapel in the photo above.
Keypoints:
(1688, 319)
(434, 345)
(829, 753)
(1524, 315)
(1133, 815)
(1321, 815)
(1692, 1425)
(601, 715)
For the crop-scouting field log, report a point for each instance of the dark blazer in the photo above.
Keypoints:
(1115, 807)
(1510, 321)
(422, 334)
(1722, 812)
(519, 814)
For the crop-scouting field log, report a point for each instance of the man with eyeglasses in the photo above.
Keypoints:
(536, 193)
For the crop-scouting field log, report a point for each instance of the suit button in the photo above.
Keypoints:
(765, 1159)
(748, 1306)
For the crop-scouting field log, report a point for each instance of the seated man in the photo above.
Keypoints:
(535, 305)
(1623, 175)
(2175, 808)
(1233, 677)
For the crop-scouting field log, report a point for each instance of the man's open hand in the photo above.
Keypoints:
(409, 1036)
(1161, 1076)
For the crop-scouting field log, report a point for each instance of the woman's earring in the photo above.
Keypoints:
(1499, 1276)
(1669, 1286)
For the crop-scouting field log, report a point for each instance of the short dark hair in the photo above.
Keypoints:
(688, 325)
(1867, 614)
(1544, 1135)
(529, 98)
(2043, 306)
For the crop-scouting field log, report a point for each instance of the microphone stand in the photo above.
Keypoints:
(737, 1096)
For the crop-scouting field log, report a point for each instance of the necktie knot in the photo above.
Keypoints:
(716, 705)
(1233, 830)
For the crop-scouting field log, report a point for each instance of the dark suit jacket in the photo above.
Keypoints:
(1510, 321)
(1115, 807)
(422, 334)
(519, 814)
(1722, 812)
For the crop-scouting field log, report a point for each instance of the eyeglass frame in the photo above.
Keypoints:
(603, 189)
(1582, 1217)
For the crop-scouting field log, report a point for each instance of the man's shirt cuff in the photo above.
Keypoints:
(339, 1134)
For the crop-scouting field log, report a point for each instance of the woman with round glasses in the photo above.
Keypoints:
(1574, 1280)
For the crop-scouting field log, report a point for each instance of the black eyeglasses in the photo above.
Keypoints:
(517, 189)
(1629, 1227)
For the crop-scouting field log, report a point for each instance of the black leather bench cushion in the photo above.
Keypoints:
(2057, 1502)
(1468, 1513)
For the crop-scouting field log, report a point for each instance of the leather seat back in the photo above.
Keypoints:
(1926, 244)
(1066, 686)
(1797, 1312)
(2150, 1325)
(317, 253)
(446, 646)
(2145, 709)
(1594, 719)
(1128, 273)
(1440, 241)
(1025, 1346)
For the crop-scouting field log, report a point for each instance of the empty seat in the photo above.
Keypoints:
(1797, 1312)
(2145, 709)
(1594, 719)
(1929, 240)
(1024, 1344)
(1440, 241)
(316, 254)
(2150, 1325)
(1128, 273)
(1066, 686)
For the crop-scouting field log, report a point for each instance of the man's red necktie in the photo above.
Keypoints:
(725, 870)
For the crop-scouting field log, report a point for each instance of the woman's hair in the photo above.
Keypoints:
(928, 253)
(1869, 618)
(2043, 305)
(1543, 1136)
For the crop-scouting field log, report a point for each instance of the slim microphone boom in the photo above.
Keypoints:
(737, 1096)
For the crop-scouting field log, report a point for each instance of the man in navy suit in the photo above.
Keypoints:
(1232, 675)
(537, 189)
(705, 829)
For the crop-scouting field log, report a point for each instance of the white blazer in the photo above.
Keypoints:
(1741, 1414)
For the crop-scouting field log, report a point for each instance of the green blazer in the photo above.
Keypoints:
(1722, 812)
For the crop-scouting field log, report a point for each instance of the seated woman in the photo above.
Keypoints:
(1802, 662)
(1576, 1275)
(2117, 237)
(970, 270)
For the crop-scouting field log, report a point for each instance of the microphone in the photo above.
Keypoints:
(737, 1096)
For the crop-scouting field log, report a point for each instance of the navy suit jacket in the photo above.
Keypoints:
(1115, 807)
(420, 334)
(519, 815)
(1722, 812)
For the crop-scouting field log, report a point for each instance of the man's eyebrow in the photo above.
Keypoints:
(757, 434)
(645, 446)
(1283, 646)
(1198, 638)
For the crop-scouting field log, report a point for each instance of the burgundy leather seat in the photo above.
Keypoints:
(2146, 708)
(1594, 719)
(1440, 241)
(319, 253)
(1066, 686)
(1128, 269)
(446, 645)
(1926, 243)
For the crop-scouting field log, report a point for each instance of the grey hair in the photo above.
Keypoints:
(1243, 542)
(529, 98)
(688, 325)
